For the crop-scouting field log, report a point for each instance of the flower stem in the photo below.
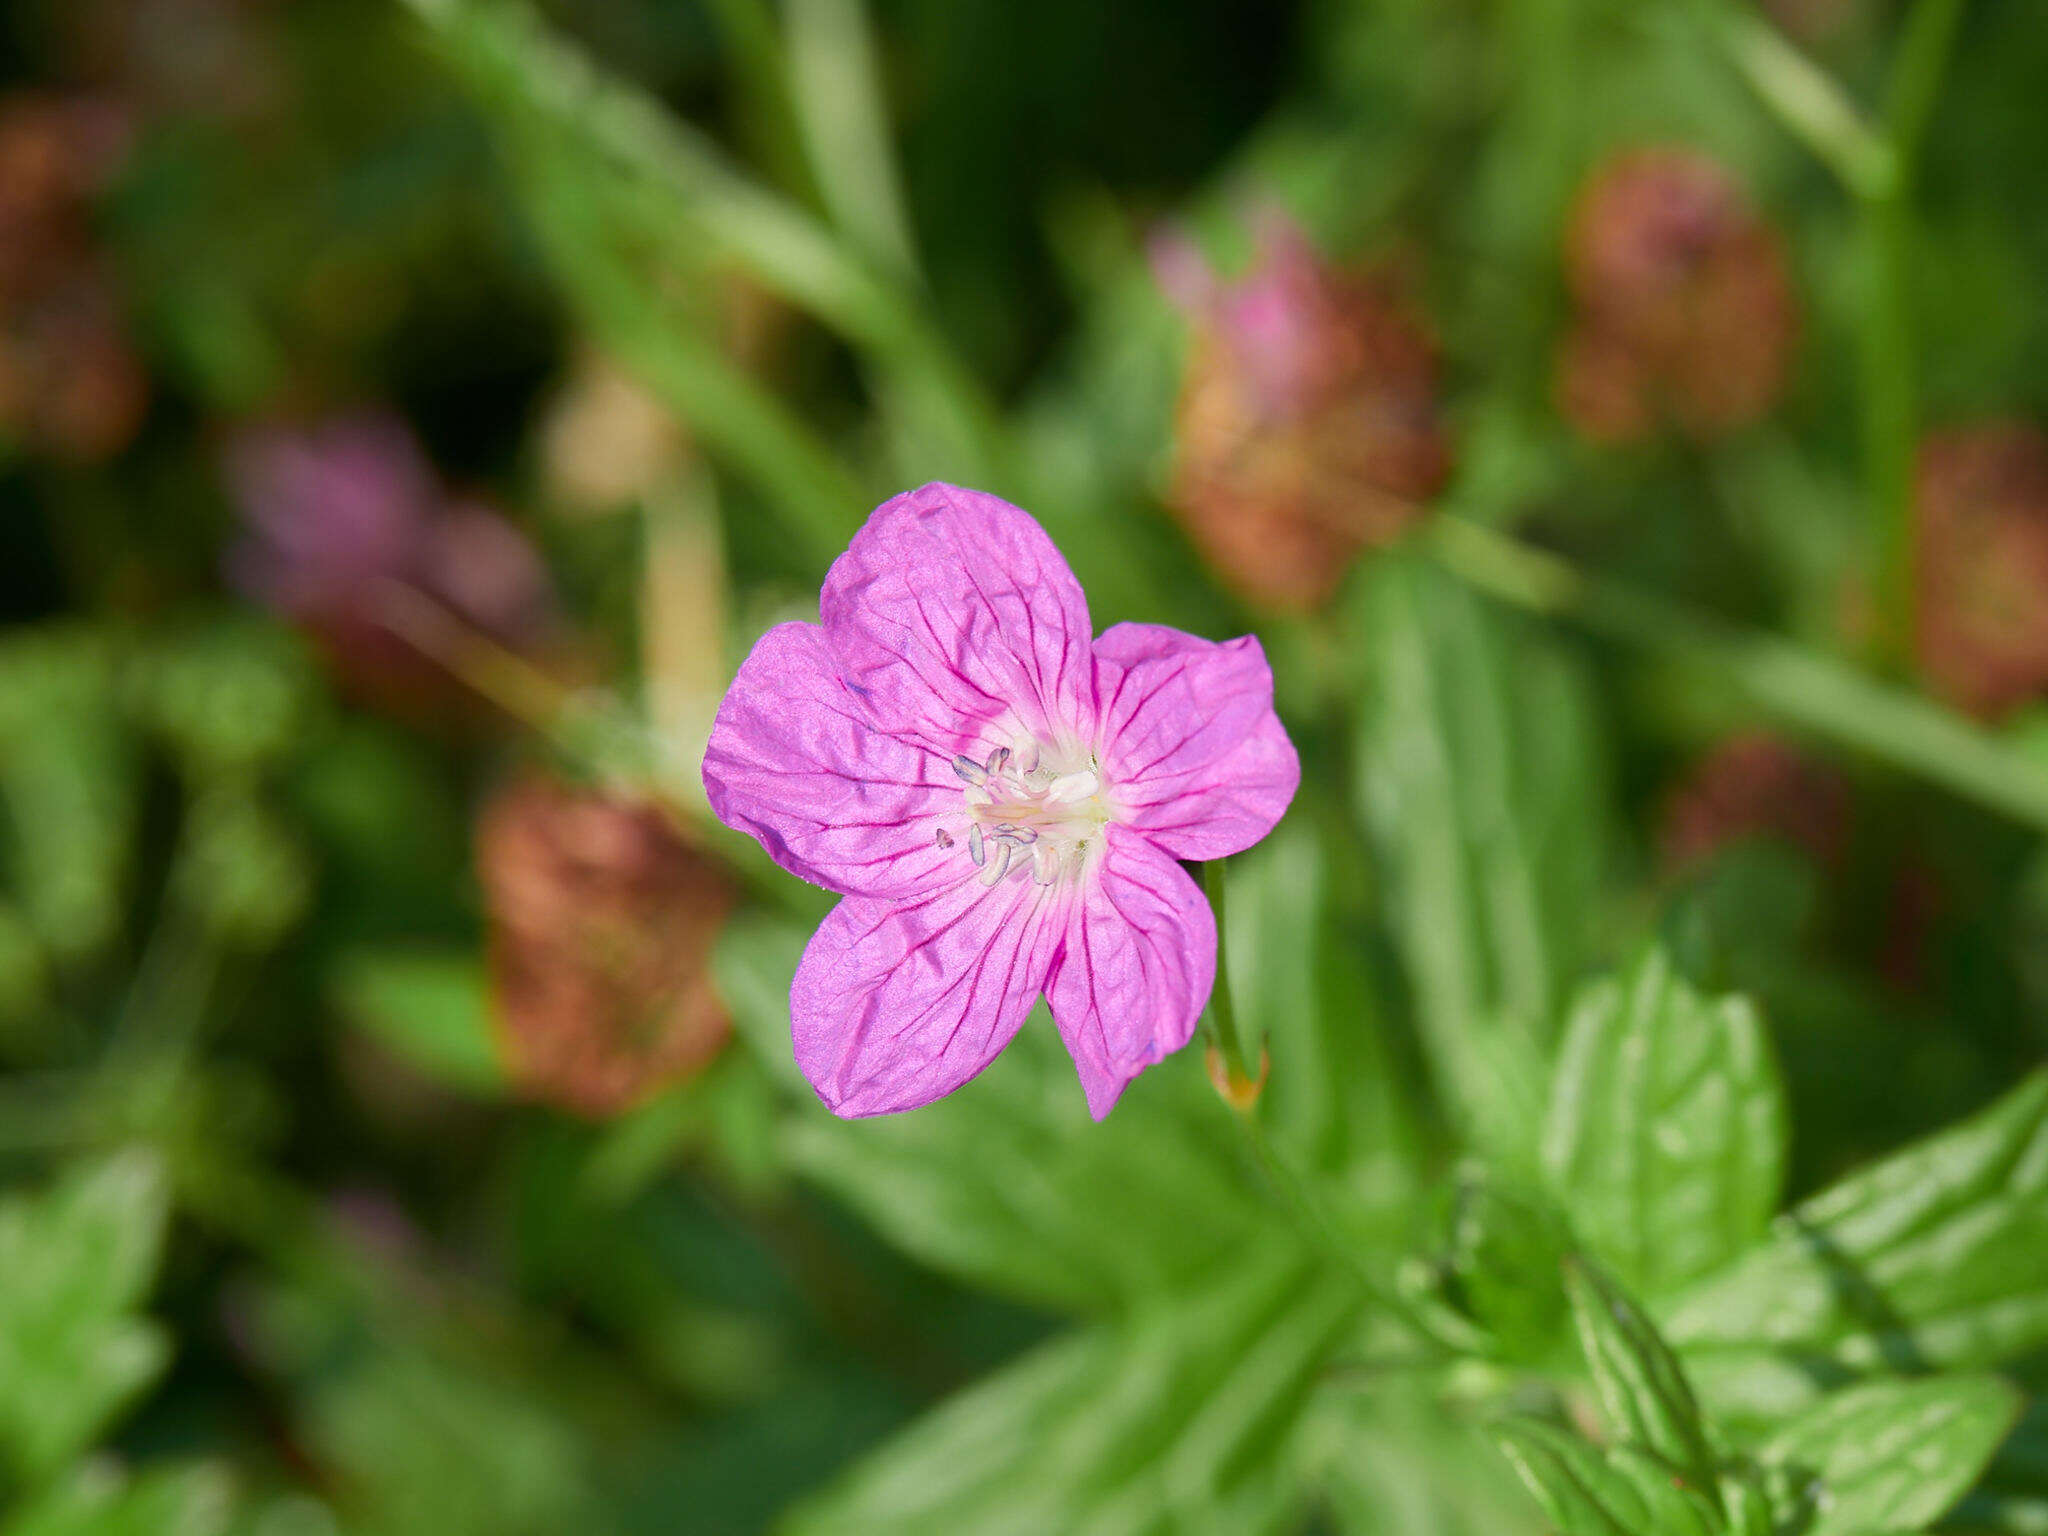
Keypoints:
(1227, 1068)
(1826, 697)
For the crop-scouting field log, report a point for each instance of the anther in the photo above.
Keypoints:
(998, 760)
(998, 868)
(975, 848)
(945, 838)
(970, 770)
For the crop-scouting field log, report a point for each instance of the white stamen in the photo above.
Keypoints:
(975, 850)
(1000, 867)
(1069, 787)
(970, 770)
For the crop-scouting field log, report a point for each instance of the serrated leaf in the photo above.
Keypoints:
(432, 1010)
(1667, 1126)
(74, 1263)
(1481, 781)
(1007, 1182)
(99, 1500)
(1394, 1460)
(1937, 1256)
(1892, 1455)
(1173, 1421)
(1642, 1388)
(1586, 1491)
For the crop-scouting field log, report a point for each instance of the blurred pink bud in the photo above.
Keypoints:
(339, 515)
(1307, 428)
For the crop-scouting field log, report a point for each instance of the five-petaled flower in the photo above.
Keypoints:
(1000, 797)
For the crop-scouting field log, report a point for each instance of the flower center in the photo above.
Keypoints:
(1043, 815)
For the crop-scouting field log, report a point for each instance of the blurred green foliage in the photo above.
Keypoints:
(1649, 1149)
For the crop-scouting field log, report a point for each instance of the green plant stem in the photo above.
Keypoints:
(1891, 410)
(1222, 1015)
(1294, 1193)
(1826, 697)
(1879, 168)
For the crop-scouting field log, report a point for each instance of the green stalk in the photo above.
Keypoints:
(1878, 167)
(1891, 410)
(1825, 697)
(1221, 1019)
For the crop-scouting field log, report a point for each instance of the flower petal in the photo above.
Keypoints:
(952, 609)
(896, 1004)
(1140, 959)
(796, 761)
(1197, 758)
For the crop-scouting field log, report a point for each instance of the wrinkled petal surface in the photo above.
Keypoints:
(1199, 760)
(952, 609)
(797, 761)
(898, 1003)
(1138, 962)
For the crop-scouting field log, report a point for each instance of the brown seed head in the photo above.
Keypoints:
(1307, 427)
(1982, 566)
(1684, 308)
(602, 926)
(1751, 786)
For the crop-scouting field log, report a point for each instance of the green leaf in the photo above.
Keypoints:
(1007, 1182)
(98, 1500)
(2013, 1497)
(1482, 784)
(1935, 1257)
(1334, 1098)
(74, 1264)
(70, 780)
(1395, 1460)
(1176, 1420)
(1589, 1492)
(1667, 1127)
(1642, 1388)
(432, 1010)
(1892, 1455)
(1503, 1265)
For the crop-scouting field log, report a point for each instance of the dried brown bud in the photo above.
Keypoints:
(1684, 308)
(1307, 427)
(603, 922)
(1982, 566)
(1755, 786)
(70, 382)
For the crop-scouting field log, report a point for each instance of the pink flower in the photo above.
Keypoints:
(1001, 798)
